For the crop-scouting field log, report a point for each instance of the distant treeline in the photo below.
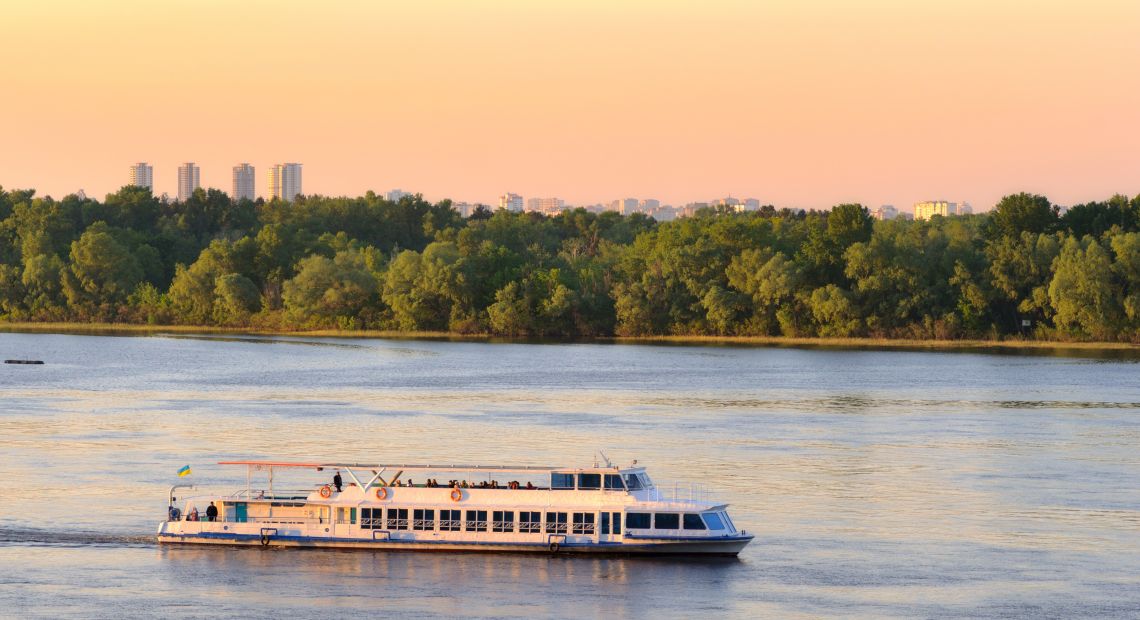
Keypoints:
(369, 263)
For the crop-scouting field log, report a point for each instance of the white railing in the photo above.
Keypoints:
(678, 492)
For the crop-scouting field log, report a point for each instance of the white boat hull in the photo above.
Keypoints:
(720, 546)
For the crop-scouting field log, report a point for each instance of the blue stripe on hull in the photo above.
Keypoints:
(678, 546)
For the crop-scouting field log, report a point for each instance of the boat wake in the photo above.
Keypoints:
(70, 538)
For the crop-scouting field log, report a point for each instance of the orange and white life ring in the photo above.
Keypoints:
(381, 493)
(326, 491)
(456, 495)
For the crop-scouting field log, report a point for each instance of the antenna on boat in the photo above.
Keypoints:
(604, 458)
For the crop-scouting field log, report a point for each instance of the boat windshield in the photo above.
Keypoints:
(636, 482)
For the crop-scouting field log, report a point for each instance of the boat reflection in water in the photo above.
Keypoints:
(593, 510)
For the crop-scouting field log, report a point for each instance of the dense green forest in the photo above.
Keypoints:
(368, 263)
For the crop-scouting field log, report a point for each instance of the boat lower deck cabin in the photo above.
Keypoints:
(460, 508)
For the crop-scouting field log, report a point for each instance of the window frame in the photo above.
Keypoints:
(638, 516)
(559, 522)
(688, 517)
(583, 523)
(422, 515)
(453, 522)
(669, 516)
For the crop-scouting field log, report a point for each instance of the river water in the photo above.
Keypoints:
(878, 483)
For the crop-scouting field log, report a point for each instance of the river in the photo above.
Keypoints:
(878, 483)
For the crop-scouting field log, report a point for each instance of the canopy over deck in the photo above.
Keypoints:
(420, 467)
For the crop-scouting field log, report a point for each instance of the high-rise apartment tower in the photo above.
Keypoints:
(189, 179)
(285, 181)
(243, 183)
(142, 175)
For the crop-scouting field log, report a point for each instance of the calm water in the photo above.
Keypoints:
(879, 483)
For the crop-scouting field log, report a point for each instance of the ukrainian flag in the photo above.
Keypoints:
(185, 471)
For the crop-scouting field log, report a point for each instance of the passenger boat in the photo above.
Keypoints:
(601, 509)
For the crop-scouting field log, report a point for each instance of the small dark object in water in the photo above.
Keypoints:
(23, 361)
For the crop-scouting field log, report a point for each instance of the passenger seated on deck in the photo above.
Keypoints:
(410, 483)
(465, 485)
(211, 512)
(193, 516)
(529, 485)
(337, 481)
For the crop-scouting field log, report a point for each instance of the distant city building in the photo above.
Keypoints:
(396, 194)
(649, 204)
(728, 201)
(285, 181)
(626, 206)
(142, 175)
(549, 206)
(751, 204)
(930, 208)
(189, 179)
(511, 202)
(885, 212)
(244, 186)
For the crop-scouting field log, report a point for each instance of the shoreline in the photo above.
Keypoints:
(884, 344)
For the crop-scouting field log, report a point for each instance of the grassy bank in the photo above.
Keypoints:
(758, 341)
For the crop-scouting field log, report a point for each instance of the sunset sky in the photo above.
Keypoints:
(797, 103)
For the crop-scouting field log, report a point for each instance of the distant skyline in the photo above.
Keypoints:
(796, 103)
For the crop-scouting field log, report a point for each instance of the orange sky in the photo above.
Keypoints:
(798, 103)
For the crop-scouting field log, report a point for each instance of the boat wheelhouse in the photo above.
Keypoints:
(610, 509)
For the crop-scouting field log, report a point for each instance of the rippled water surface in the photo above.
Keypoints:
(878, 483)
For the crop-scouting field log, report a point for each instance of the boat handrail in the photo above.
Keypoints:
(678, 492)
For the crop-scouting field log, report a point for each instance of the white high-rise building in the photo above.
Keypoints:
(549, 206)
(189, 177)
(930, 208)
(396, 194)
(142, 175)
(244, 187)
(285, 181)
(885, 212)
(511, 202)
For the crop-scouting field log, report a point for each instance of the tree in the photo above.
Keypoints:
(235, 299)
(1018, 213)
(330, 291)
(1081, 291)
(833, 312)
(101, 274)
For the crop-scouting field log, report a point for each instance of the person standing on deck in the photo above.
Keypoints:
(337, 481)
(211, 512)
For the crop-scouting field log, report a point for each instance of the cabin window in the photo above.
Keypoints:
(583, 523)
(637, 520)
(530, 522)
(617, 523)
(372, 518)
(632, 482)
(397, 518)
(562, 481)
(423, 520)
(713, 519)
(476, 520)
(728, 521)
(449, 521)
(589, 481)
(666, 521)
(693, 522)
(503, 521)
(613, 482)
(556, 523)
